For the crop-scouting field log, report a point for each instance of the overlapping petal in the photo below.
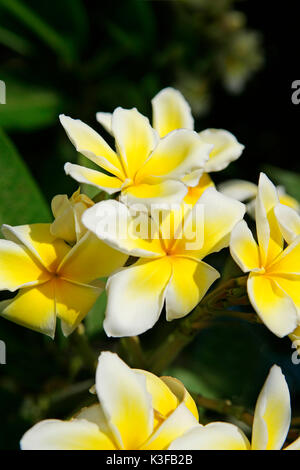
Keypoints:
(18, 268)
(125, 401)
(123, 229)
(90, 143)
(33, 307)
(225, 149)
(289, 222)
(243, 248)
(171, 111)
(77, 434)
(213, 436)
(135, 138)
(110, 184)
(90, 259)
(273, 305)
(272, 415)
(189, 283)
(136, 296)
(176, 155)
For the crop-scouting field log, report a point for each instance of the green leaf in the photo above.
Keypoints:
(21, 199)
(28, 107)
(94, 319)
(32, 20)
(289, 179)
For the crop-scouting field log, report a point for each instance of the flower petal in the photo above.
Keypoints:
(268, 233)
(90, 259)
(189, 283)
(288, 262)
(161, 194)
(33, 307)
(45, 248)
(90, 143)
(18, 268)
(179, 153)
(294, 445)
(180, 421)
(171, 111)
(77, 434)
(243, 247)
(136, 296)
(289, 222)
(238, 189)
(272, 415)
(135, 138)
(226, 148)
(109, 184)
(73, 302)
(213, 436)
(105, 120)
(182, 394)
(163, 399)
(291, 286)
(125, 401)
(221, 214)
(194, 193)
(272, 304)
(123, 229)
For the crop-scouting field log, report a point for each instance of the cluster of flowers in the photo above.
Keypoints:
(60, 270)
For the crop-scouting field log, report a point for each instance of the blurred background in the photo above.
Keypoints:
(233, 63)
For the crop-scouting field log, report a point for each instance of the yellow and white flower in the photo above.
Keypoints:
(67, 213)
(170, 112)
(144, 167)
(243, 191)
(272, 419)
(53, 278)
(170, 269)
(274, 281)
(136, 410)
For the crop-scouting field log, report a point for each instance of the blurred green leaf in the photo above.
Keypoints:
(289, 179)
(28, 107)
(21, 199)
(94, 319)
(15, 41)
(27, 16)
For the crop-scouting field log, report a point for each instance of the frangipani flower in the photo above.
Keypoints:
(274, 281)
(271, 423)
(54, 279)
(170, 112)
(136, 410)
(67, 213)
(246, 191)
(170, 269)
(144, 168)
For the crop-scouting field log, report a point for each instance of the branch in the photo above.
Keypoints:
(211, 307)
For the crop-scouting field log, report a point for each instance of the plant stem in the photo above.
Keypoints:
(213, 305)
(133, 351)
(224, 407)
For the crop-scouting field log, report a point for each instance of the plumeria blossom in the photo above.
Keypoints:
(289, 222)
(170, 112)
(143, 167)
(243, 190)
(170, 269)
(53, 278)
(136, 411)
(274, 281)
(67, 213)
(271, 423)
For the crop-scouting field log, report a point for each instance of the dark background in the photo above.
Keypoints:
(121, 53)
